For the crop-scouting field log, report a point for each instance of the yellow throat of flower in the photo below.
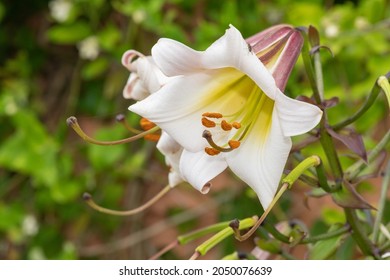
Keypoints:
(242, 109)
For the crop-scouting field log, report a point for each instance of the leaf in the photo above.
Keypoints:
(324, 249)
(94, 68)
(329, 103)
(314, 36)
(348, 197)
(69, 33)
(351, 139)
(30, 150)
(105, 157)
(306, 99)
(271, 245)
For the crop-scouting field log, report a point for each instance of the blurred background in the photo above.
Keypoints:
(62, 57)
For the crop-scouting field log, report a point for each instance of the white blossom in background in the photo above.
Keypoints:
(332, 30)
(89, 48)
(139, 16)
(361, 23)
(30, 225)
(60, 9)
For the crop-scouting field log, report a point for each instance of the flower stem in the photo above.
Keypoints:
(221, 235)
(382, 203)
(319, 76)
(376, 89)
(327, 144)
(309, 68)
(189, 237)
(323, 181)
(286, 184)
(359, 234)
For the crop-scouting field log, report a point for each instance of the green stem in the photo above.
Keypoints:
(189, 237)
(275, 233)
(330, 152)
(319, 76)
(309, 68)
(376, 89)
(326, 141)
(323, 181)
(382, 204)
(326, 235)
(359, 234)
(218, 237)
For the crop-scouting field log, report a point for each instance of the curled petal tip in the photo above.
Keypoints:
(206, 188)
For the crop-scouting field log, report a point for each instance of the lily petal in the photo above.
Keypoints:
(198, 169)
(175, 58)
(296, 117)
(231, 50)
(185, 99)
(134, 89)
(259, 162)
(145, 77)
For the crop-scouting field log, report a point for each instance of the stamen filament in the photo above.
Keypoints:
(258, 223)
(207, 135)
(88, 199)
(121, 119)
(73, 123)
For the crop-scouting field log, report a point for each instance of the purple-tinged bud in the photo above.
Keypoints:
(278, 48)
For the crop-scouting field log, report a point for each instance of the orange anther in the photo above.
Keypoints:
(146, 124)
(211, 151)
(208, 123)
(226, 126)
(234, 144)
(212, 115)
(236, 125)
(152, 137)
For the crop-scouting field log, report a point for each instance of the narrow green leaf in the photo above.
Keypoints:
(324, 249)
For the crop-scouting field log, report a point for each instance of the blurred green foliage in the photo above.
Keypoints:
(62, 57)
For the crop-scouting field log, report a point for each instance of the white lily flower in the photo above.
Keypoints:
(226, 108)
(145, 79)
